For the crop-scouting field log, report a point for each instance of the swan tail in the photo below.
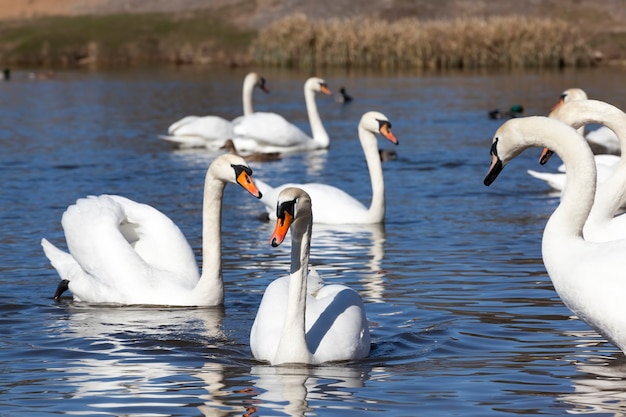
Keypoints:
(556, 181)
(65, 265)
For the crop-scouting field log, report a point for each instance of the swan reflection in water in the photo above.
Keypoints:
(126, 358)
(599, 387)
(290, 389)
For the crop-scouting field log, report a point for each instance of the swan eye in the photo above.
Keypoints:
(286, 207)
(383, 123)
(241, 168)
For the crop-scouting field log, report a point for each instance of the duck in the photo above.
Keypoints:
(589, 277)
(343, 96)
(602, 140)
(271, 132)
(515, 110)
(300, 319)
(603, 223)
(127, 253)
(211, 131)
(333, 205)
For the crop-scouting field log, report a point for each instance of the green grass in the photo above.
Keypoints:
(120, 38)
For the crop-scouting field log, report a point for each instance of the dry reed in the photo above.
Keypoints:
(515, 42)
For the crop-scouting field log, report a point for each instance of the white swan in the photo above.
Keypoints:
(125, 252)
(607, 149)
(602, 224)
(270, 132)
(335, 206)
(212, 131)
(590, 277)
(602, 140)
(605, 165)
(300, 320)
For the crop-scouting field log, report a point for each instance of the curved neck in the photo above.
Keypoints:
(317, 128)
(211, 286)
(611, 194)
(568, 219)
(292, 347)
(369, 144)
(246, 93)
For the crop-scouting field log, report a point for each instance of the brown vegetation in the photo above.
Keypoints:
(296, 41)
(339, 33)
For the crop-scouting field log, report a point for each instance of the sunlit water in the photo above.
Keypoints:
(464, 319)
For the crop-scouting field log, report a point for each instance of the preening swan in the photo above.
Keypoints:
(270, 132)
(125, 252)
(602, 224)
(203, 131)
(335, 206)
(300, 320)
(590, 277)
(602, 140)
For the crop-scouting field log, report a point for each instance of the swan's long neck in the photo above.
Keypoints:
(317, 128)
(611, 194)
(211, 287)
(246, 93)
(375, 168)
(568, 219)
(292, 346)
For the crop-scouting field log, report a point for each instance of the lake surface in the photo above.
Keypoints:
(464, 319)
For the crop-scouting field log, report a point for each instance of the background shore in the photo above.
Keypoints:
(442, 34)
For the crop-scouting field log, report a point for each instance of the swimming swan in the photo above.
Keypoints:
(590, 277)
(335, 206)
(212, 131)
(125, 252)
(300, 320)
(271, 132)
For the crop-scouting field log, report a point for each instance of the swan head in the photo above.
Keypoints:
(317, 85)
(506, 145)
(568, 96)
(234, 169)
(376, 122)
(518, 134)
(293, 205)
(571, 94)
(255, 80)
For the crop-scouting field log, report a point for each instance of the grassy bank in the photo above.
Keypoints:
(410, 43)
(295, 41)
(122, 39)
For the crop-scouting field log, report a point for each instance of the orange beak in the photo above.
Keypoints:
(559, 104)
(545, 156)
(246, 182)
(385, 130)
(281, 229)
(324, 89)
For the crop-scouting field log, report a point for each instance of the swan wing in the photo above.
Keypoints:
(108, 239)
(605, 138)
(207, 127)
(332, 205)
(268, 323)
(179, 123)
(269, 129)
(336, 324)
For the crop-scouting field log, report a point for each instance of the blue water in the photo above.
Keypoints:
(464, 320)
